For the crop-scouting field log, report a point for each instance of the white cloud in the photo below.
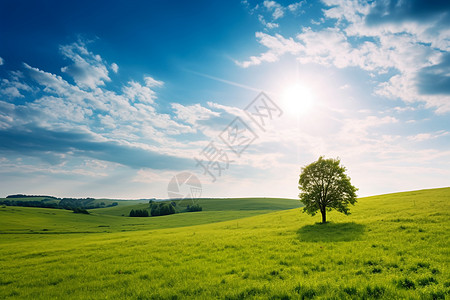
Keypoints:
(352, 11)
(276, 9)
(1, 61)
(137, 92)
(294, 7)
(328, 47)
(269, 25)
(353, 129)
(88, 70)
(115, 68)
(314, 22)
(193, 113)
(403, 47)
(12, 88)
(420, 137)
(277, 45)
(151, 82)
(108, 115)
(148, 176)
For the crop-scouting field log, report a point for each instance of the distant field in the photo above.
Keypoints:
(250, 205)
(393, 246)
(111, 219)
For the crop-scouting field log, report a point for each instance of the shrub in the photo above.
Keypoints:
(139, 213)
(78, 210)
(193, 208)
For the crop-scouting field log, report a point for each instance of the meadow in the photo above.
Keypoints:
(393, 246)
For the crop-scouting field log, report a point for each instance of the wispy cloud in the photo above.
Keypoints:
(276, 9)
(193, 113)
(229, 82)
(295, 7)
(420, 137)
(277, 45)
(270, 12)
(269, 25)
(13, 88)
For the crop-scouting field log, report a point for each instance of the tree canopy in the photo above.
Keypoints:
(325, 186)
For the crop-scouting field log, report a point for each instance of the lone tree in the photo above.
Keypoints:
(325, 186)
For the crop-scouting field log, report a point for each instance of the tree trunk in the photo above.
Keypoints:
(324, 216)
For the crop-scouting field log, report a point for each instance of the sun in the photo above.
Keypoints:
(297, 99)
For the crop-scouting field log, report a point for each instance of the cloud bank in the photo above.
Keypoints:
(403, 44)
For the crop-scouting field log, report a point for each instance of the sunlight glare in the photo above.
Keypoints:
(297, 99)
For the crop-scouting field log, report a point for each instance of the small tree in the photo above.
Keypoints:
(325, 186)
(155, 210)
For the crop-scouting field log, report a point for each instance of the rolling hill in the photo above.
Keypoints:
(392, 246)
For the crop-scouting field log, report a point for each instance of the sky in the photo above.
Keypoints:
(117, 99)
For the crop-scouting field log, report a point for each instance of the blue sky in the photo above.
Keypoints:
(114, 98)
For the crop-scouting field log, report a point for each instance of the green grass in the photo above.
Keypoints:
(25, 220)
(262, 205)
(392, 247)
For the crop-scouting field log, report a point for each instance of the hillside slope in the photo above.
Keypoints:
(15, 219)
(392, 246)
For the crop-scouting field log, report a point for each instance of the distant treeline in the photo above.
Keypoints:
(53, 202)
(30, 196)
(161, 209)
(139, 213)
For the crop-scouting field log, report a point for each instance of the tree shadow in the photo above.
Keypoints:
(330, 232)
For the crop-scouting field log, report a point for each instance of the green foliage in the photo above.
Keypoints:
(139, 213)
(325, 186)
(195, 207)
(161, 209)
(30, 196)
(53, 202)
(78, 210)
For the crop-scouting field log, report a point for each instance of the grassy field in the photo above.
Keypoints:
(246, 205)
(393, 246)
(26, 220)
